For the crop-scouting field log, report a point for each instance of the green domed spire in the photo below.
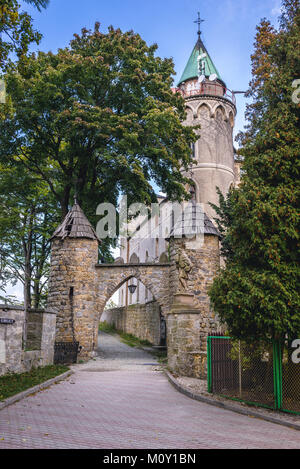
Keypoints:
(199, 63)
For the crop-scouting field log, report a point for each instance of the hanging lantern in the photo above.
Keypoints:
(132, 288)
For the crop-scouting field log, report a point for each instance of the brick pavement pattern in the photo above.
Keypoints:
(122, 401)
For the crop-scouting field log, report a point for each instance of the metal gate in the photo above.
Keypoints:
(241, 371)
(66, 352)
(223, 375)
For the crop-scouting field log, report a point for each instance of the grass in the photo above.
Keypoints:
(133, 341)
(108, 328)
(127, 339)
(14, 383)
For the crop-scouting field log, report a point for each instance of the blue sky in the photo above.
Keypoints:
(228, 30)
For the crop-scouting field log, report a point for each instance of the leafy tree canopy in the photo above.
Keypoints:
(98, 117)
(16, 29)
(257, 293)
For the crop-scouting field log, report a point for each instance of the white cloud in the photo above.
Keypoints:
(16, 290)
(276, 10)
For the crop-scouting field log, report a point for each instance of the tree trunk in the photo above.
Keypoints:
(27, 248)
(65, 202)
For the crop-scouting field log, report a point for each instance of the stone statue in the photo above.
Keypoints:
(184, 266)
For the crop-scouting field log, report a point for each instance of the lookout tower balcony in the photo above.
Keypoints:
(192, 88)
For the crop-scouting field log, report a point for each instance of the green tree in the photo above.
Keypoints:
(39, 4)
(27, 219)
(16, 29)
(98, 117)
(257, 293)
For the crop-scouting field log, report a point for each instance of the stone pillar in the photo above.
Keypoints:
(11, 339)
(48, 337)
(41, 334)
(191, 319)
(72, 291)
(183, 340)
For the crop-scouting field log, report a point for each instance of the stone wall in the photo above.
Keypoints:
(34, 330)
(185, 356)
(11, 340)
(140, 320)
(40, 337)
(48, 337)
(40, 344)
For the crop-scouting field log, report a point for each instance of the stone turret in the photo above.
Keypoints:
(210, 104)
(74, 254)
(195, 260)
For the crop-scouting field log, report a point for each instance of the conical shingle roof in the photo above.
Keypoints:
(192, 67)
(192, 222)
(75, 225)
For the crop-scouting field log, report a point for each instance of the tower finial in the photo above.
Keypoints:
(199, 21)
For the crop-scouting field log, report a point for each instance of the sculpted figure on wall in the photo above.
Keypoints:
(184, 266)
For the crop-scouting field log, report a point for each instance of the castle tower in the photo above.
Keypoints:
(74, 254)
(210, 104)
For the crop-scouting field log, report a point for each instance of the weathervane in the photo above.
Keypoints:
(199, 21)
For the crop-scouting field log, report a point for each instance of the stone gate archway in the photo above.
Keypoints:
(141, 319)
(79, 288)
(155, 277)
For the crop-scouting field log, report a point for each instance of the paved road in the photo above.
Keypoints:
(121, 400)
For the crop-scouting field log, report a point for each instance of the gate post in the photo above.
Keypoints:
(209, 364)
(194, 263)
(185, 356)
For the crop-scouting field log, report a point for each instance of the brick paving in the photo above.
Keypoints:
(120, 400)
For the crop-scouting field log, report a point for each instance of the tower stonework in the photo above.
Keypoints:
(212, 106)
(74, 254)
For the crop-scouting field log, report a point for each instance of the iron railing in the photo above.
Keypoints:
(254, 373)
(208, 88)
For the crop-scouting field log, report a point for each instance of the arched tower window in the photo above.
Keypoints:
(193, 148)
(220, 113)
(134, 259)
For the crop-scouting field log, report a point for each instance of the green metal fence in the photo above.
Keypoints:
(254, 373)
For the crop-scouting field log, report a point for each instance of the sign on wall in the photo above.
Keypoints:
(7, 321)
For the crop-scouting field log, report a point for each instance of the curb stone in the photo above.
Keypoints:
(39, 387)
(227, 406)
